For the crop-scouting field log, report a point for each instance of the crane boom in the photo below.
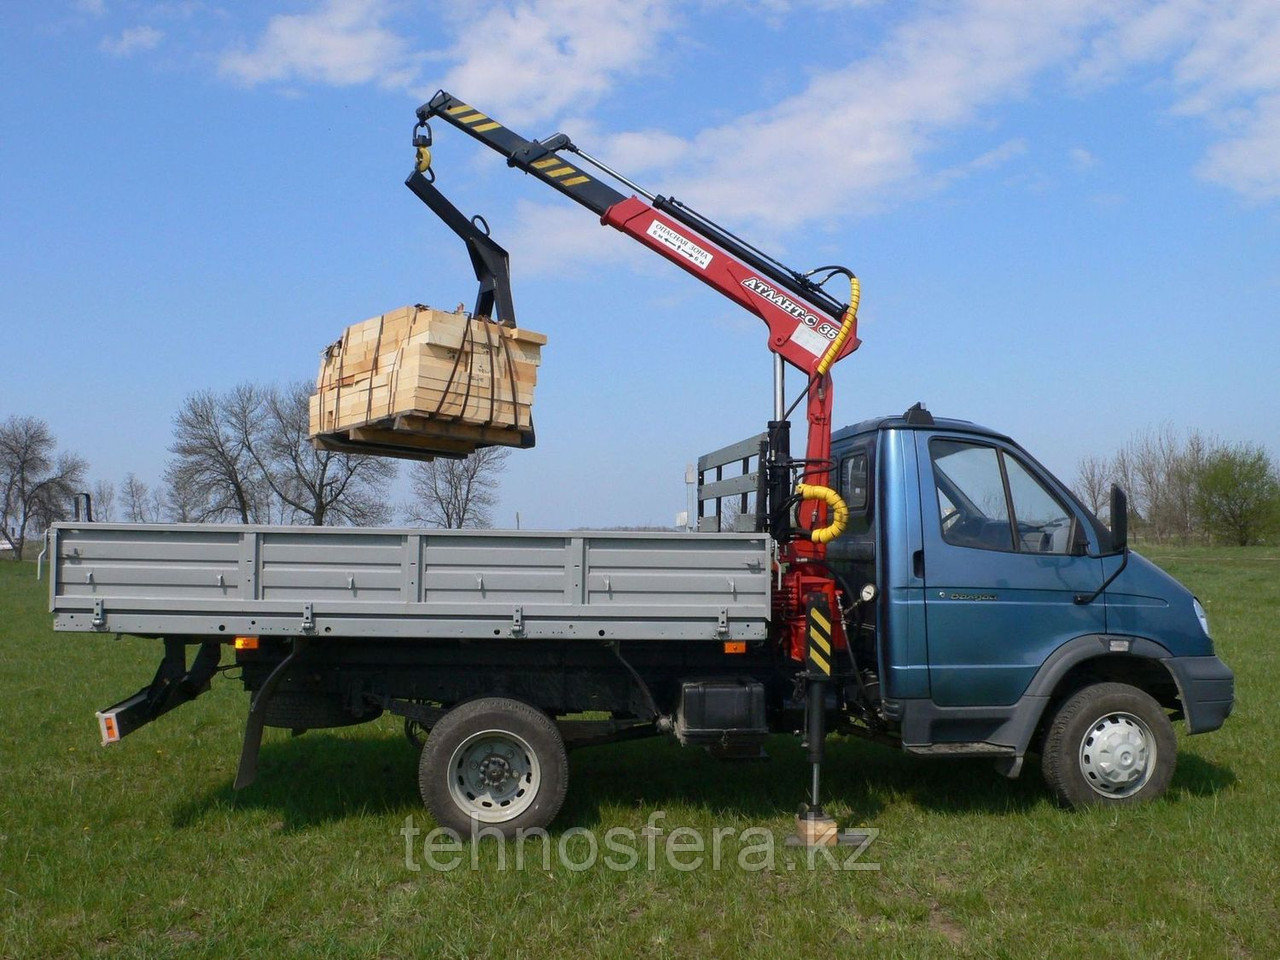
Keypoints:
(808, 328)
(803, 319)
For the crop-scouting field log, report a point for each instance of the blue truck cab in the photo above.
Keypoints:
(1008, 619)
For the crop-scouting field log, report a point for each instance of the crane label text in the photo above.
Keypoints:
(679, 243)
(787, 305)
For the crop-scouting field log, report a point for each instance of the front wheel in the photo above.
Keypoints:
(494, 763)
(1109, 744)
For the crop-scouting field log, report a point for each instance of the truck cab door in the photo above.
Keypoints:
(1004, 557)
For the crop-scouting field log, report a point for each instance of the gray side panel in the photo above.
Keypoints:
(101, 560)
(225, 580)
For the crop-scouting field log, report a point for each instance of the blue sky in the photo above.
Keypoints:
(1066, 215)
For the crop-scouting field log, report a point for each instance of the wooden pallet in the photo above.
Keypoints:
(418, 383)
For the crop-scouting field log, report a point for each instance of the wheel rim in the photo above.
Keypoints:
(494, 776)
(1117, 755)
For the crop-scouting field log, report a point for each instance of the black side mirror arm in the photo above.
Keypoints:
(1084, 599)
(1119, 542)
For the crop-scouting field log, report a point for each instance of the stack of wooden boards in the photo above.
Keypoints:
(419, 383)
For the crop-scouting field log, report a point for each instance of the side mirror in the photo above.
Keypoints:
(1119, 543)
(1119, 519)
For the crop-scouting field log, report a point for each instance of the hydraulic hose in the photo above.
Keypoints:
(846, 327)
(839, 511)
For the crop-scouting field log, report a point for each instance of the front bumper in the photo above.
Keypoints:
(1207, 688)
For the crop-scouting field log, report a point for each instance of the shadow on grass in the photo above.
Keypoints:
(317, 778)
(858, 777)
(321, 777)
(1198, 777)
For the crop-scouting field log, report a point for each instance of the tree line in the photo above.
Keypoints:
(1188, 487)
(245, 456)
(239, 456)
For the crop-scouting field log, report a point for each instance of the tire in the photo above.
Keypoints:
(302, 710)
(498, 761)
(1109, 744)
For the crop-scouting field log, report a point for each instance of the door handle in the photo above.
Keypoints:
(917, 564)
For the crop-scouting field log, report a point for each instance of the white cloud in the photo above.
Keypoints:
(1081, 158)
(533, 60)
(93, 8)
(1223, 67)
(1249, 162)
(527, 59)
(858, 134)
(559, 238)
(857, 137)
(131, 41)
(342, 42)
(1000, 155)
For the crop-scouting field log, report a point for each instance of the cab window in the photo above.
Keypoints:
(1043, 522)
(857, 470)
(855, 480)
(972, 506)
(989, 500)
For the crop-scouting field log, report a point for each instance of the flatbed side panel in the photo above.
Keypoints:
(498, 570)
(147, 562)
(330, 565)
(701, 572)
(200, 580)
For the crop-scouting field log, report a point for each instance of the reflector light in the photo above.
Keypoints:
(735, 646)
(246, 643)
(107, 726)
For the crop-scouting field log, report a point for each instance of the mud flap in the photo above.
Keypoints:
(248, 769)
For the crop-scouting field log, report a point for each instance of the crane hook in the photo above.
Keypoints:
(422, 145)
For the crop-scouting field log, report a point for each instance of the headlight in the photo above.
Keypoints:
(1201, 616)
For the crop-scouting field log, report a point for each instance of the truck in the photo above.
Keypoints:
(921, 582)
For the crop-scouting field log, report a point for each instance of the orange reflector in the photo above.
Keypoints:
(735, 646)
(246, 643)
(107, 726)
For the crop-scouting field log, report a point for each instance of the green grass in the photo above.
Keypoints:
(144, 850)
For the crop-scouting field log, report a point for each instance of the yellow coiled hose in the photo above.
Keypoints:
(810, 491)
(839, 511)
(846, 327)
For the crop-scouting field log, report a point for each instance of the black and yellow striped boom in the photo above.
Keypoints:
(538, 159)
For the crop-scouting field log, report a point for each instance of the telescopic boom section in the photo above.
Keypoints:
(803, 319)
(808, 328)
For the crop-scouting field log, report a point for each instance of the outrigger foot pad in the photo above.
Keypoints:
(814, 828)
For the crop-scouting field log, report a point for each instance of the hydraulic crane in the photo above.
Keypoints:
(808, 328)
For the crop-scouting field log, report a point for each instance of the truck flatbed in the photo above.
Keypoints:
(220, 580)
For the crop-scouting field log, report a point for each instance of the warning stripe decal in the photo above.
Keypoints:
(822, 642)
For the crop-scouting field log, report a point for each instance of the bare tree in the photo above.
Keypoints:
(184, 502)
(456, 493)
(1184, 472)
(1093, 483)
(37, 485)
(104, 501)
(141, 503)
(1161, 470)
(212, 462)
(310, 485)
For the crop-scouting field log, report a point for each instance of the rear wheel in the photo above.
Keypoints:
(1109, 744)
(496, 763)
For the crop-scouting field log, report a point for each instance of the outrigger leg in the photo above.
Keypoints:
(173, 685)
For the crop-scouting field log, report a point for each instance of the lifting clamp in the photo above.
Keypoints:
(489, 260)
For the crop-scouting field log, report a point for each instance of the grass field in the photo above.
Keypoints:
(144, 850)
